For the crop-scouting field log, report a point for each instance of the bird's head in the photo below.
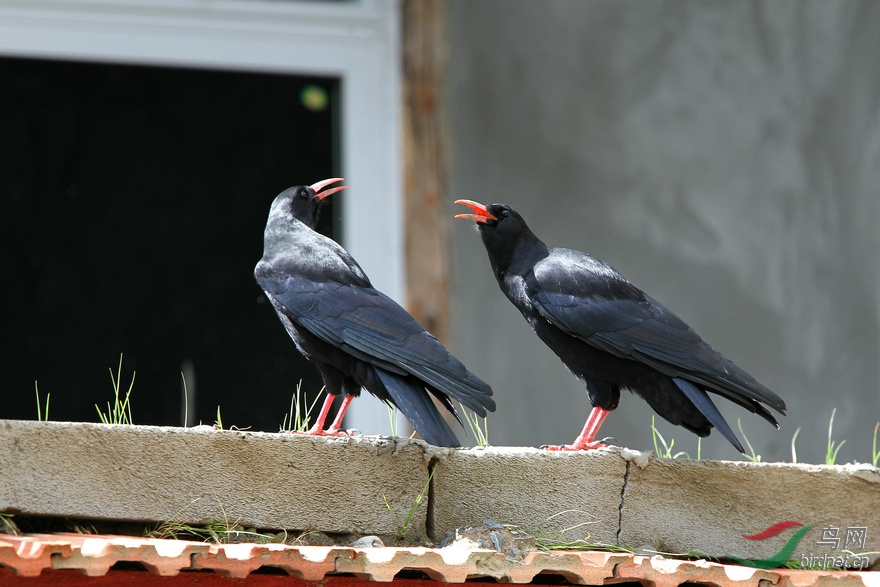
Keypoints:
(503, 231)
(304, 202)
(495, 220)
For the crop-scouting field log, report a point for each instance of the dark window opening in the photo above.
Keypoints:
(133, 205)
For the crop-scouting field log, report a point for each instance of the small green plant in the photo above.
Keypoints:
(83, 528)
(42, 413)
(659, 441)
(7, 526)
(752, 456)
(833, 448)
(561, 540)
(298, 420)
(875, 454)
(217, 531)
(120, 411)
(218, 423)
(793, 449)
(392, 418)
(403, 527)
(556, 539)
(480, 432)
(185, 400)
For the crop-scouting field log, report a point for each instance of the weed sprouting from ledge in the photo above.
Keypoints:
(480, 432)
(120, 411)
(665, 450)
(875, 454)
(833, 448)
(402, 527)
(300, 416)
(7, 526)
(42, 411)
(659, 441)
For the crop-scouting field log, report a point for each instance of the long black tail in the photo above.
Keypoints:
(707, 407)
(411, 398)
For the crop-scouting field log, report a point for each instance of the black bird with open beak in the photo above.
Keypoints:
(355, 335)
(611, 334)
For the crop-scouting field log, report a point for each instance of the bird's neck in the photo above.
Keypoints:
(517, 257)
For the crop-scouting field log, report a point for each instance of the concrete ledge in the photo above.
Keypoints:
(336, 485)
(532, 488)
(683, 505)
(190, 475)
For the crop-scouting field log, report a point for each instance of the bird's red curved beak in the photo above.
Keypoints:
(324, 183)
(482, 215)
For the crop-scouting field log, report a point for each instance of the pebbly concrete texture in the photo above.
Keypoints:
(540, 491)
(191, 475)
(336, 485)
(683, 505)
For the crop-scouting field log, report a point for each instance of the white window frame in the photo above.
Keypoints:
(356, 41)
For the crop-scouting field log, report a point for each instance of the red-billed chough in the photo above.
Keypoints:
(354, 334)
(611, 334)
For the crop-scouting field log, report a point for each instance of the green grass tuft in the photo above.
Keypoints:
(120, 411)
(7, 526)
(875, 454)
(402, 527)
(299, 417)
(42, 412)
(793, 449)
(752, 456)
(480, 432)
(392, 417)
(833, 448)
(562, 540)
(659, 441)
(216, 531)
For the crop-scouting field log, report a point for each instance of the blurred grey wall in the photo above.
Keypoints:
(725, 157)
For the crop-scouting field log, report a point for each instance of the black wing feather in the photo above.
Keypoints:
(374, 328)
(598, 306)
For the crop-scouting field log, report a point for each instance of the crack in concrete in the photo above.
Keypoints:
(429, 506)
(622, 500)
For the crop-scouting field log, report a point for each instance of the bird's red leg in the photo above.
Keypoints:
(318, 428)
(337, 422)
(587, 438)
(333, 430)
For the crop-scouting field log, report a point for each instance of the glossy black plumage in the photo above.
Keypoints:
(611, 334)
(354, 334)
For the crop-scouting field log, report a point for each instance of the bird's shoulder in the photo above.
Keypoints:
(589, 299)
(310, 258)
(567, 272)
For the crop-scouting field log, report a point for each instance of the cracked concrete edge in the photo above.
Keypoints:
(542, 492)
(678, 506)
(339, 485)
(192, 475)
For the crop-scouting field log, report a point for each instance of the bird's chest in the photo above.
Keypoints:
(516, 290)
(301, 342)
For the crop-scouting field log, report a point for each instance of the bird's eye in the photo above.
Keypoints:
(304, 193)
(505, 213)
